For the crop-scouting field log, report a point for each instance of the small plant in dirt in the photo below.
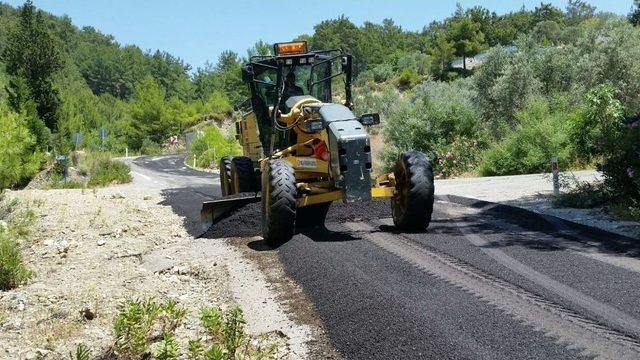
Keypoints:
(147, 329)
(140, 322)
(14, 230)
(13, 272)
(82, 353)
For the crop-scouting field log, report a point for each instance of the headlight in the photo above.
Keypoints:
(370, 119)
(314, 124)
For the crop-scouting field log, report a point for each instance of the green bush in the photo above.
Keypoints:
(408, 78)
(382, 73)
(13, 271)
(601, 131)
(436, 118)
(20, 159)
(149, 147)
(107, 171)
(542, 133)
(210, 145)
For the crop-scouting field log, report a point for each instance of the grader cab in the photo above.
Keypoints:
(305, 148)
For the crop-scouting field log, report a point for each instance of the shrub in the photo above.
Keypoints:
(541, 134)
(107, 171)
(408, 78)
(436, 116)
(13, 271)
(20, 159)
(382, 73)
(150, 147)
(384, 101)
(601, 131)
(210, 145)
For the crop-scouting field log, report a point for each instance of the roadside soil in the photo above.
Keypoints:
(92, 249)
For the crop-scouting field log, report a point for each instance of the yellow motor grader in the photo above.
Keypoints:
(302, 150)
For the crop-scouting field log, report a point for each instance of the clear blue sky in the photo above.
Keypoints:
(199, 30)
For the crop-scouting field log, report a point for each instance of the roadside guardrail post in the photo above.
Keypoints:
(556, 179)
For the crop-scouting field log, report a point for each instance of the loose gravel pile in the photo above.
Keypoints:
(246, 221)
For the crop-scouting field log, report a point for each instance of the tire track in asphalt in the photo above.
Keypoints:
(569, 327)
(622, 321)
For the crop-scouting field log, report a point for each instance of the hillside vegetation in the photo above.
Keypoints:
(526, 86)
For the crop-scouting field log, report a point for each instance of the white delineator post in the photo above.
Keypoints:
(126, 152)
(556, 179)
(194, 160)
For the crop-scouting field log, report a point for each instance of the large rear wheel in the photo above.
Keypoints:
(225, 175)
(278, 202)
(412, 203)
(242, 175)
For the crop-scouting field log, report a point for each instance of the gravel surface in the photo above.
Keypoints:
(92, 249)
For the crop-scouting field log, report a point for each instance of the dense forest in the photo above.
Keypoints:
(480, 92)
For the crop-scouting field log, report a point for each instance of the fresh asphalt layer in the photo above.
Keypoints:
(485, 281)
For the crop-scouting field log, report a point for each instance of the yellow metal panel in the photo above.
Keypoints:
(249, 137)
(337, 195)
(382, 191)
(320, 198)
(308, 164)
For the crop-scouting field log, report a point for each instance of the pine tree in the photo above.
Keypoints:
(32, 59)
(634, 16)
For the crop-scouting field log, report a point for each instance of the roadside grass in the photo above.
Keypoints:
(107, 171)
(582, 195)
(585, 195)
(93, 170)
(15, 228)
(146, 328)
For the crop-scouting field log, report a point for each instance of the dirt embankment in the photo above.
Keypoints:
(93, 249)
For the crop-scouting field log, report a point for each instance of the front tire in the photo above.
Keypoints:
(242, 175)
(225, 175)
(412, 203)
(278, 202)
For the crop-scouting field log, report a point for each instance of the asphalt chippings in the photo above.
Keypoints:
(247, 220)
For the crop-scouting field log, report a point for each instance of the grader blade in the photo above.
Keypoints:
(215, 210)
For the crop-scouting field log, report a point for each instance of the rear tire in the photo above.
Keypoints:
(278, 202)
(312, 216)
(412, 203)
(242, 175)
(225, 175)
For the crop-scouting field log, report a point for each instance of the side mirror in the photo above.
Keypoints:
(370, 119)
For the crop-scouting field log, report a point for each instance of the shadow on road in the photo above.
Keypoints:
(186, 203)
(322, 234)
(317, 234)
(490, 217)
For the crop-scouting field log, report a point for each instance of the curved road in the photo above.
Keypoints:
(486, 281)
